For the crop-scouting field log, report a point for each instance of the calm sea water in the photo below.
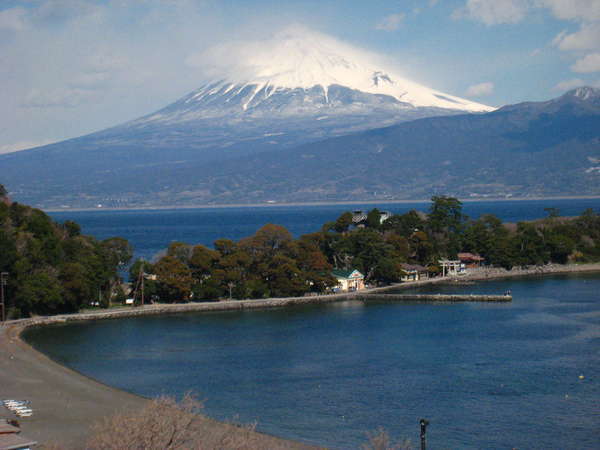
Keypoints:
(486, 376)
(151, 231)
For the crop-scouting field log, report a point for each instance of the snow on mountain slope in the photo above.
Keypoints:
(298, 58)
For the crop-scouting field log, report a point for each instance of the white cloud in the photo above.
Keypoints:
(391, 22)
(69, 67)
(588, 64)
(13, 19)
(586, 38)
(585, 13)
(582, 10)
(242, 59)
(567, 85)
(481, 89)
(493, 12)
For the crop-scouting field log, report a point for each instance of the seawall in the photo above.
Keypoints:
(435, 298)
(156, 309)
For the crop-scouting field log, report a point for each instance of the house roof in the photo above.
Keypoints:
(346, 273)
(470, 257)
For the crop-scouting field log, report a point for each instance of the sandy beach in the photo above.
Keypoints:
(66, 403)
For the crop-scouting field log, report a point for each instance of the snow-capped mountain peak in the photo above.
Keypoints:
(301, 58)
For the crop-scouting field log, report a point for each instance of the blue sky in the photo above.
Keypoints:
(70, 67)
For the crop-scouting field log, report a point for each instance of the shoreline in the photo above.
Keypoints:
(66, 402)
(315, 203)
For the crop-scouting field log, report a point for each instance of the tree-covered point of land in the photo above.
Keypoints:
(272, 263)
(268, 264)
(52, 268)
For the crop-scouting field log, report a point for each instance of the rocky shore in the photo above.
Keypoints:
(66, 403)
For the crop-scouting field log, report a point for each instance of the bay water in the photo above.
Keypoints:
(517, 375)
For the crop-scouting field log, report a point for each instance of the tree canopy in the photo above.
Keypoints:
(52, 268)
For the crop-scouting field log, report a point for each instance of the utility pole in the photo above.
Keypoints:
(423, 423)
(140, 283)
(3, 279)
(143, 277)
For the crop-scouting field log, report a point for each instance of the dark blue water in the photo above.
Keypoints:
(485, 375)
(151, 231)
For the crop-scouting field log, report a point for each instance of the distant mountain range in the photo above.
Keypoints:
(531, 149)
(313, 120)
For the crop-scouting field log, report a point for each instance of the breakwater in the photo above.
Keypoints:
(241, 305)
(158, 309)
(429, 298)
(481, 274)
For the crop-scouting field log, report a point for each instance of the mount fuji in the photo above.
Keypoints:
(298, 88)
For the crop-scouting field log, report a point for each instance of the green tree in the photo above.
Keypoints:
(388, 270)
(174, 280)
(40, 292)
(284, 278)
(445, 214)
(224, 246)
(405, 224)
(76, 286)
(203, 261)
(271, 237)
(364, 249)
(374, 219)
(560, 247)
(529, 245)
(343, 223)
(446, 224)
(118, 250)
(72, 228)
(180, 251)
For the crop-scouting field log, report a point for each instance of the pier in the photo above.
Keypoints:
(435, 298)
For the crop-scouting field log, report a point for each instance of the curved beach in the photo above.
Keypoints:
(66, 403)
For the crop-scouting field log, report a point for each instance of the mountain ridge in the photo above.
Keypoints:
(533, 149)
(275, 97)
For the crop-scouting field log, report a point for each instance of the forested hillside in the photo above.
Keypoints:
(52, 268)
